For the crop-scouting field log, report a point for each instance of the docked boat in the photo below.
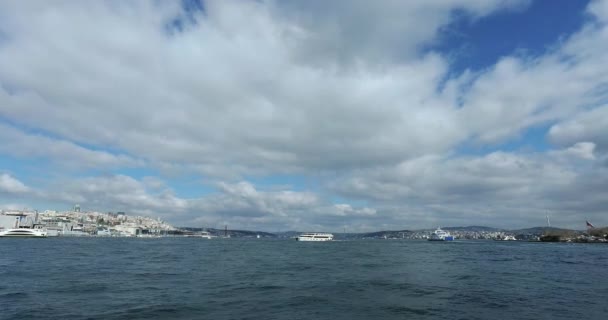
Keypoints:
(315, 237)
(104, 232)
(23, 233)
(441, 235)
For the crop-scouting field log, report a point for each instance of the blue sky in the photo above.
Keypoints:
(308, 115)
(534, 28)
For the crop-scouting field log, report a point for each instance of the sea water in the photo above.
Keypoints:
(192, 278)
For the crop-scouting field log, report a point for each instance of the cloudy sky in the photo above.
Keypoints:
(308, 115)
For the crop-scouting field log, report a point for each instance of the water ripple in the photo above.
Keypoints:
(249, 279)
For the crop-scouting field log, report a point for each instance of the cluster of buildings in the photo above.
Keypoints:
(77, 223)
(481, 234)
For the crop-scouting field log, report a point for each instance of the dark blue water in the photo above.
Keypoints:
(172, 278)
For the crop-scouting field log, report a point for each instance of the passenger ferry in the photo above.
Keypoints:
(506, 238)
(202, 234)
(441, 235)
(23, 233)
(315, 237)
(205, 235)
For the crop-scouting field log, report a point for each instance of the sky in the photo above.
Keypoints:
(308, 115)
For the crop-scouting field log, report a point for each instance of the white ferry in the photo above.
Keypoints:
(202, 234)
(506, 238)
(205, 235)
(441, 235)
(23, 233)
(315, 237)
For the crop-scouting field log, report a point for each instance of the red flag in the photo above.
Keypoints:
(589, 225)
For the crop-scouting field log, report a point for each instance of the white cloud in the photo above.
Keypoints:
(238, 204)
(501, 188)
(583, 150)
(589, 125)
(345, 32)
(64, 153)
(341, 91)
(599, 9)
(521, 92)
(232, 88)
(9, 184)
(120, 192)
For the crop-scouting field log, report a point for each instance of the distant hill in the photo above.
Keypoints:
(288, 234)
(545, 230)
(232, 233)
(385, 233)
(473, 229)
(397, 234)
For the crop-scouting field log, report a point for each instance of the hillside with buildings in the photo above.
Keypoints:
(90, 223)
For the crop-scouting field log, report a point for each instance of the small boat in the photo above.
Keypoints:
(23, 233)
(441, 235)
(315, 237)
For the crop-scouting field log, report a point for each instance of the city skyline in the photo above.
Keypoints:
(308, 115)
